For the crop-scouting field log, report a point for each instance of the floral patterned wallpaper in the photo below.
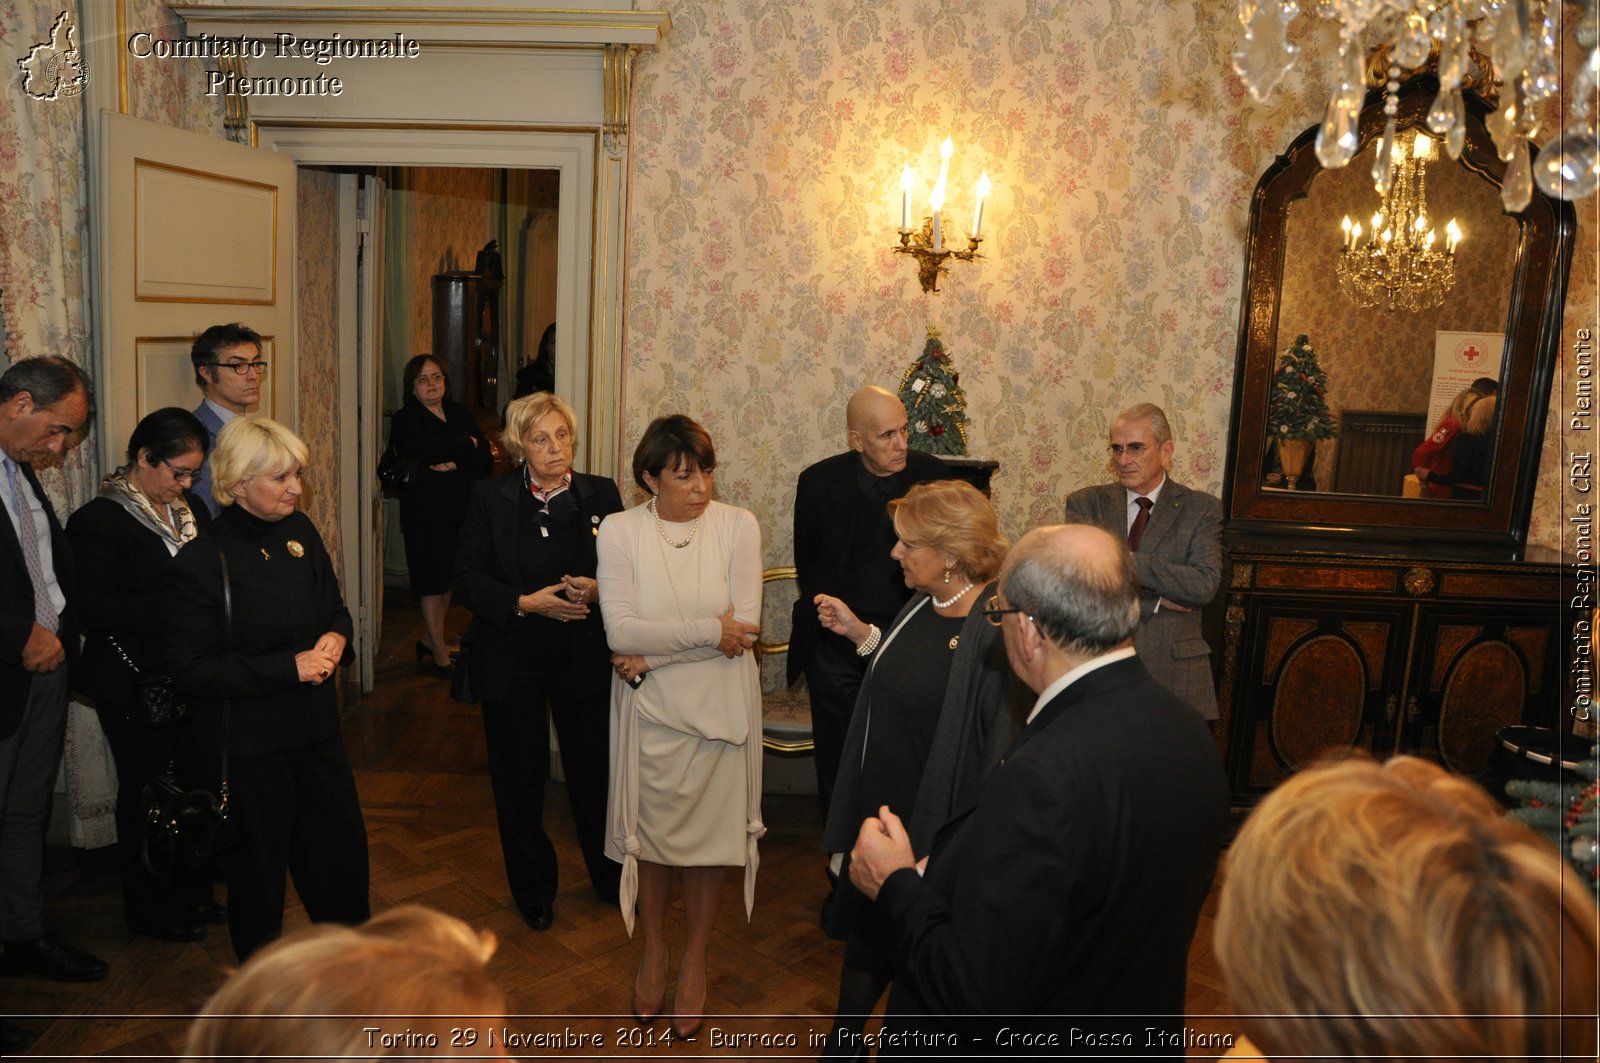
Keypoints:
(172, 91)
(44, 228)
(768, 138)
(317, 281)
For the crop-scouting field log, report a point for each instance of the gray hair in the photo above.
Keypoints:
(47, 379)
(1086, 602)
(1148, 411)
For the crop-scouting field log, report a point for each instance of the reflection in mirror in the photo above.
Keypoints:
(1391, 374)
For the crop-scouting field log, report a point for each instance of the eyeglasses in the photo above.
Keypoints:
(241, 367)
(995, 613)
(430, 378)
(183, 476)
(1133, 449)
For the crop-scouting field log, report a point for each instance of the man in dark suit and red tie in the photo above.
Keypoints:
(1175, 533)
(1053, 916)
(44, 402)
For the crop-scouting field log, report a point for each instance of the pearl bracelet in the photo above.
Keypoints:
(869, 643)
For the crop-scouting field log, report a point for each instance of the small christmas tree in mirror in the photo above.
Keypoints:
(935, 404)
(1297, 408)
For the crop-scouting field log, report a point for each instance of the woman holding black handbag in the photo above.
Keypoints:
(255, 649)
(442, 445)
(123, 541)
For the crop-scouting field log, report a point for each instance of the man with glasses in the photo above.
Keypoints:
(1053, 917)
(228, 368)
(1175, 533)
(44, 403)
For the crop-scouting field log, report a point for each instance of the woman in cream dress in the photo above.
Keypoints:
(680, 590)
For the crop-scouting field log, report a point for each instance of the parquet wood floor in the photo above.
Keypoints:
(421, 769)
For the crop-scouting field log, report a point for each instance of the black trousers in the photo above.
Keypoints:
(139, 752)
(295, 811)
(833, 677)
(576, 693)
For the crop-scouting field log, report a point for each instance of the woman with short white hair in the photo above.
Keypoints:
(256, 653)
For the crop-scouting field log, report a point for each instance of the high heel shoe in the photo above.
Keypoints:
(427, 662)
(687, 1025)
(645, 1014)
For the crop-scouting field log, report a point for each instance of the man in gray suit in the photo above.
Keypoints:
(1175, 533)
(228, 368)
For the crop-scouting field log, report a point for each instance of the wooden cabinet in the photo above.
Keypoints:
(1325, 652)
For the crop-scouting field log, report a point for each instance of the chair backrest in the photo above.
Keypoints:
(786, 713)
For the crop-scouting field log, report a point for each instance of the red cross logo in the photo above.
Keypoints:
(1470, 353)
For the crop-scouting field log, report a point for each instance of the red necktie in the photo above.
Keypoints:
(1136, 530)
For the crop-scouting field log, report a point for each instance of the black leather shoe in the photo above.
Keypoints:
(48, 958)
(539, 916)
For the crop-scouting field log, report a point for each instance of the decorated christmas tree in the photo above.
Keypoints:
(1297, 407)
(935, 403)
(1568, 812)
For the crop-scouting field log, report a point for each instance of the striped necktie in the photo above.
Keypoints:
(44, 611)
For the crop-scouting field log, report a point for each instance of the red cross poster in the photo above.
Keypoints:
(1459, 358)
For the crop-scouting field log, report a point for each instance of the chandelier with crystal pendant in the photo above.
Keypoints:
(1397, 264)
(1522, 38)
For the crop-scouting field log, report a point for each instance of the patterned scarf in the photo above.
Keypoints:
(120, 490)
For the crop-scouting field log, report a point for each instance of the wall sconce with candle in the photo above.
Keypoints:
(927, 244)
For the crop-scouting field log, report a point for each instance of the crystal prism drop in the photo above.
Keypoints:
(1383, 161)
(1453, 54)
(1442, 115)
(1583, 90)
(1502, 127)
(1266, 55)
(1352, 73)
(1337, 138)
(1412, 43)
(1568, 165)
(1456, 138)
(1516, 188)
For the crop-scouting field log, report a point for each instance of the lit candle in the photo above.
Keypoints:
(937, 202)
(1453, 233)
(977, 213)
(1346, 226)
(905, 197)
(1355, 235)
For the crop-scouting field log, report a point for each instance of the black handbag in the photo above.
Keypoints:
(186, 829)
(394, 472)
(156, 695)
(461, 675)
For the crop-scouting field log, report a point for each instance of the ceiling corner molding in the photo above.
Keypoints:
(505, 25)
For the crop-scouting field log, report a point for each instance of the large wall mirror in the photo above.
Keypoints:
(1391, 369)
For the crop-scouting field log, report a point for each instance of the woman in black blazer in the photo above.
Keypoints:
(525, 567)
(445, 442)
(123, 541)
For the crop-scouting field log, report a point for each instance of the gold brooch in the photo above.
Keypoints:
(295, 548)
(954, 639)
(265, 554)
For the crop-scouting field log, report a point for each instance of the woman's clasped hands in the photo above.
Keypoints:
(568, 600)
(318, 663)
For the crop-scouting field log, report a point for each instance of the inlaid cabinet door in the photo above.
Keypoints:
(1314, 679)
(1478, 671)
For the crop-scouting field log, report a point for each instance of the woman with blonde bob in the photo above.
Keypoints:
(1394, 911)
(324, 993)
(256, 660)
(934, 711)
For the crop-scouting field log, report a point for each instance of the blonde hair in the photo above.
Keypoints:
(1395, 910)
(954, 518)
(522, 414)
(252, 446)
(320, 991)
(1479, 416)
